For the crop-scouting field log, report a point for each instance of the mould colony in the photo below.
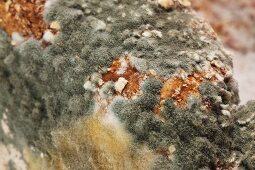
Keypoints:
(122, 84)
(23, 19)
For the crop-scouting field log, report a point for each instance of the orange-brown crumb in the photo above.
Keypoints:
(23, 16)
(131, 74)
(133, 85)
(157, 108)
(180, 89)
(177, 88)
(112, 75)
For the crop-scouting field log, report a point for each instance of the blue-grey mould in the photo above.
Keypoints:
(43, 87)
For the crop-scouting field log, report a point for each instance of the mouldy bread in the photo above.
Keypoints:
(123, 84)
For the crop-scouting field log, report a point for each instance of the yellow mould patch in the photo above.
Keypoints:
(89, 143)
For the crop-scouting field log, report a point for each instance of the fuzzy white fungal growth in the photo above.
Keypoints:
(157, 33)
(10, 154)
(147, 34)
(98, 25)
(97, 78)
(5, 127)
(226, 113)
(171, 150)
(89, 86)
(110, 119)
(246, 119)
(196, 57)
(48, 36)
(123, 66)
(17, 38)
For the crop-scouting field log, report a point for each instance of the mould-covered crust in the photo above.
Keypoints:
(124, 84)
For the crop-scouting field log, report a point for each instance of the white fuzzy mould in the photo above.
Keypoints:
(10, 153)
(198, 68)
(211, 56)
(226, 113)
(218, 99)
(123, 66)
(183, 75)
(48, 36)
(89, 86)
(157, 33)
(41, 155)
(96, 77)
(224, 106)
(120, 84)
(110, 119)
(147, 33)
(17, 38)
(196, 57)
(246, 119)
(123, 15)
(98, 25)
(105, 90)
(5, 127)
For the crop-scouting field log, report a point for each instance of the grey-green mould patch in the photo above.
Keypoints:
(43, 88)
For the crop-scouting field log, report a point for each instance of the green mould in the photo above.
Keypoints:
(124, 84)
